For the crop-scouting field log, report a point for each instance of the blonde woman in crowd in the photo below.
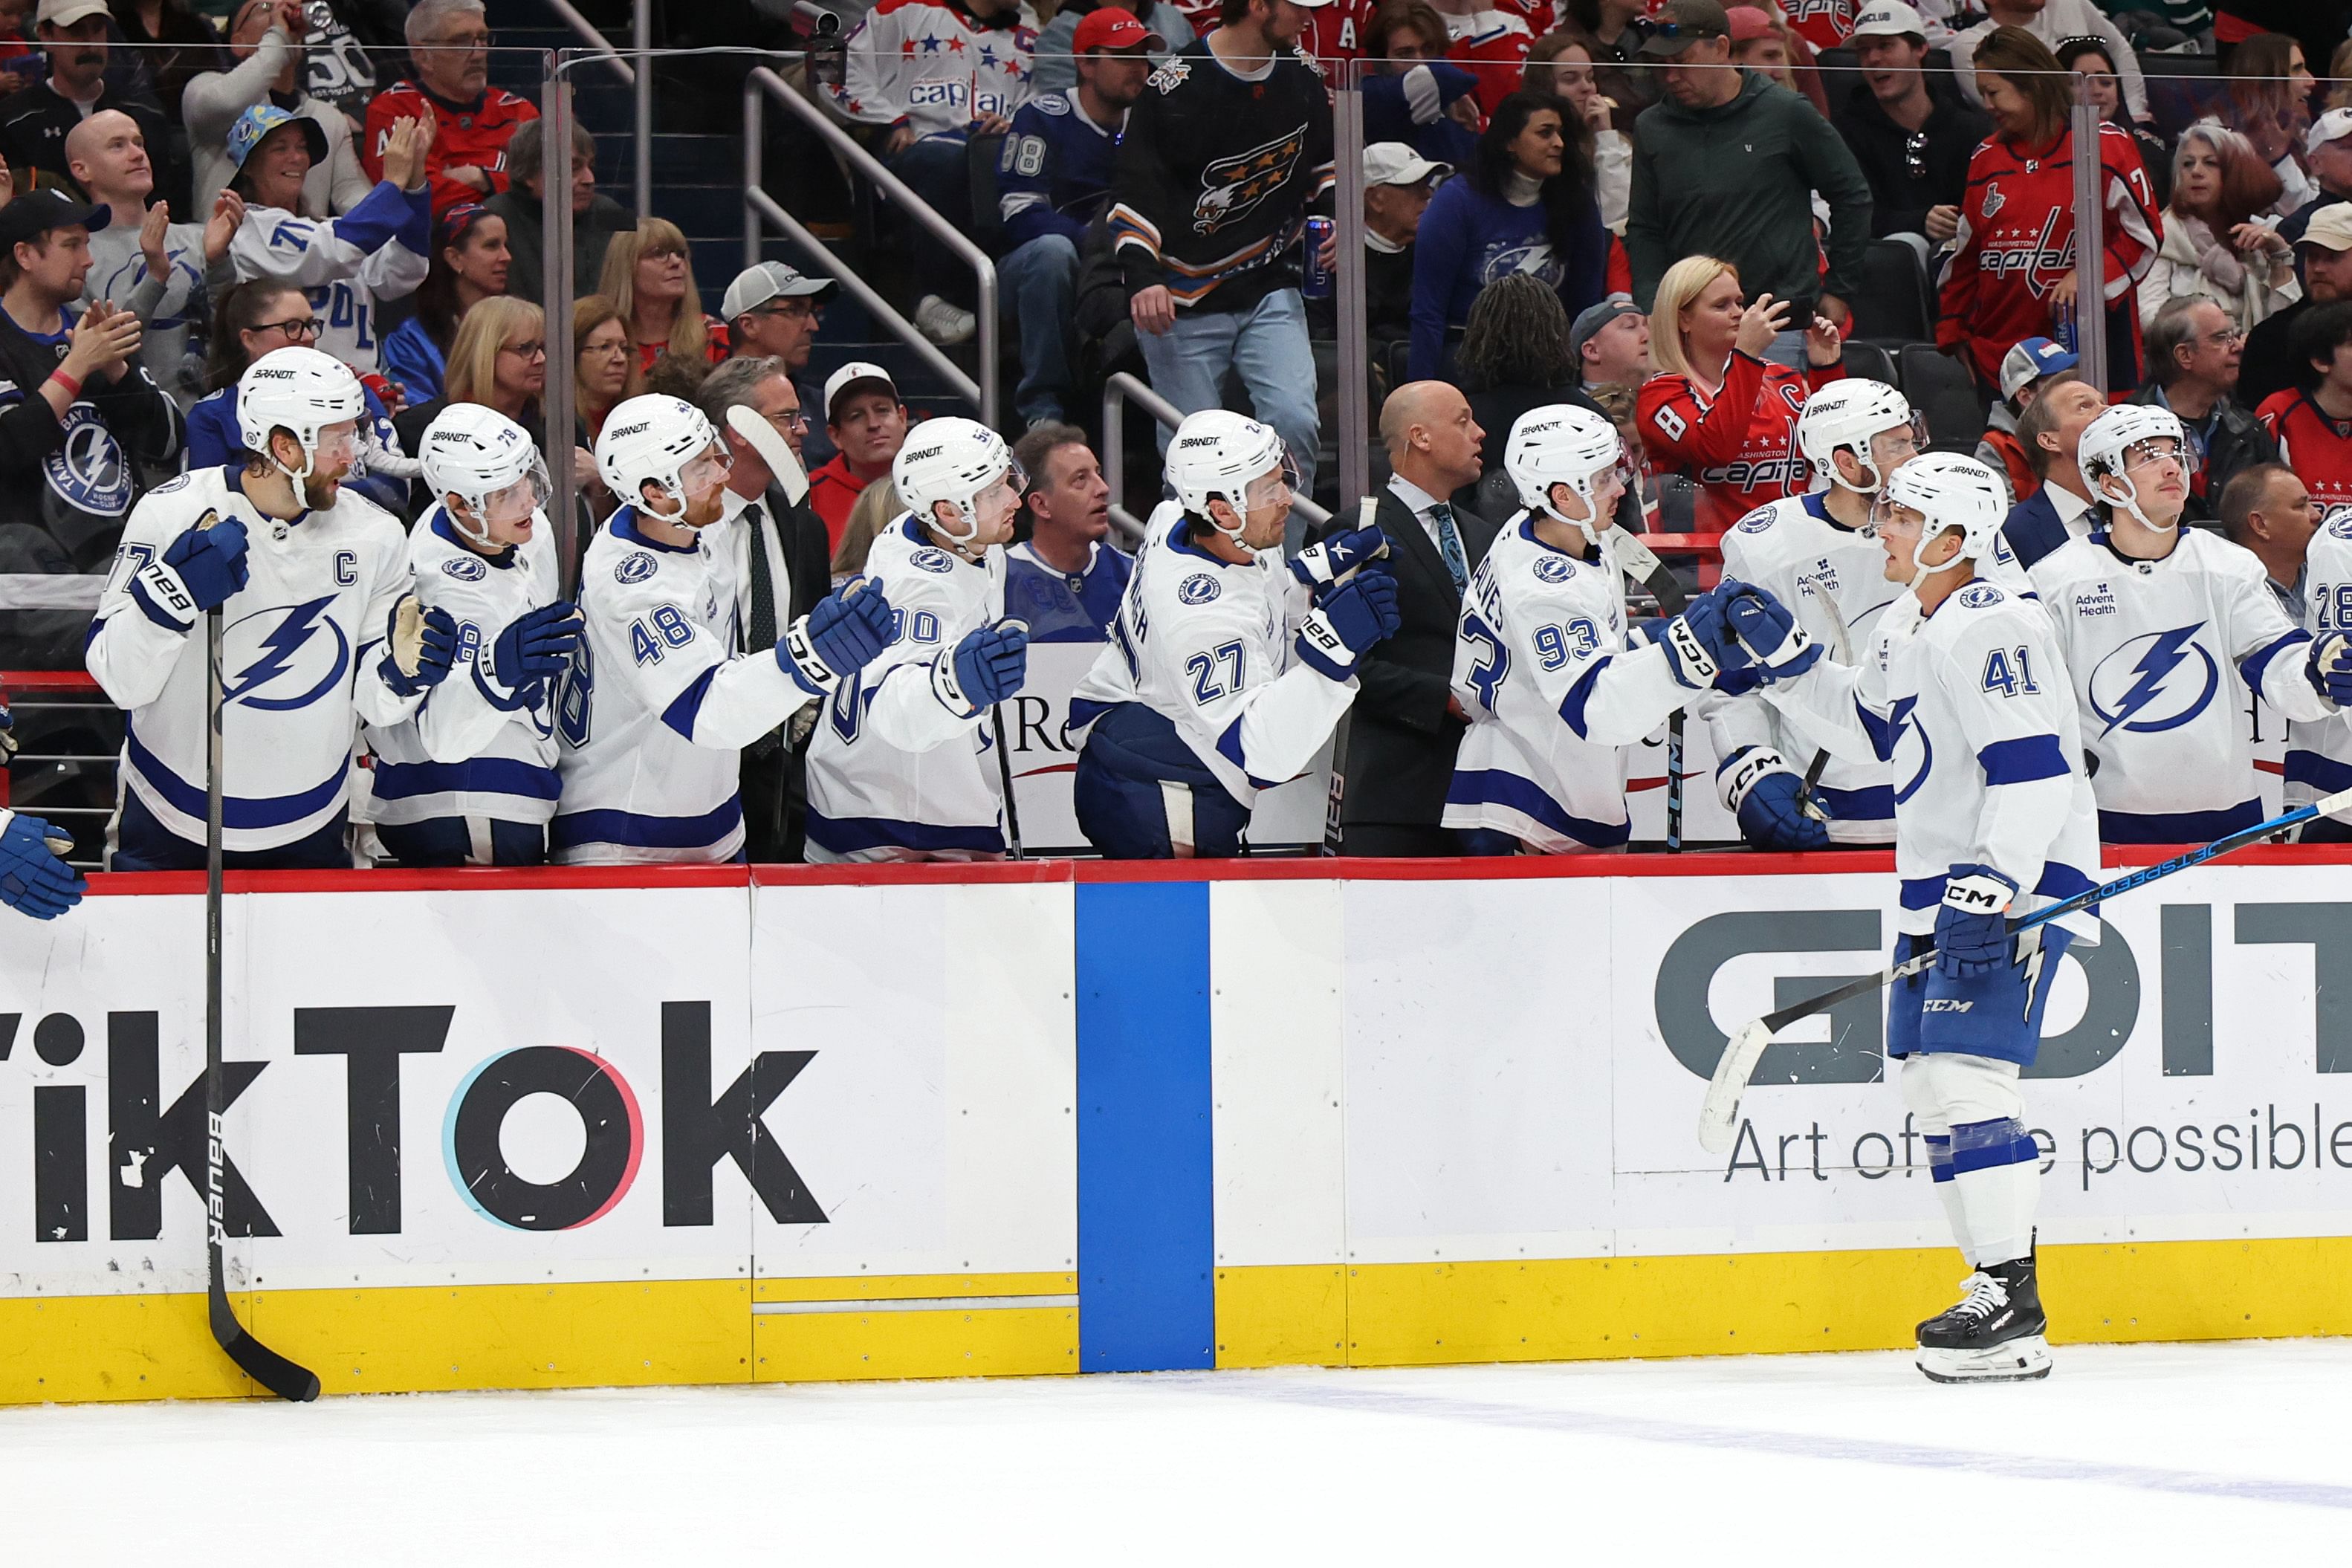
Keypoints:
(647, 275)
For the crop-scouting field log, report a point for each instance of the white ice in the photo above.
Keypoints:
(2139, 1455)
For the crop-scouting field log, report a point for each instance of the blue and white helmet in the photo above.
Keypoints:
(298, 390)
(1561, 444)
(954, 460)
(2108, 440)
(655, 440)
(254, 126)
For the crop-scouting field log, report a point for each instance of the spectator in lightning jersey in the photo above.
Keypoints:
(449, 46)
(1715, 410)
(2314, 427)
(2011, 274)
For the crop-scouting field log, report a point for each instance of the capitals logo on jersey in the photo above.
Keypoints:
(1231, 187)
(2156, 682)
(1824, 23)
(282, 659)
(2042, 258)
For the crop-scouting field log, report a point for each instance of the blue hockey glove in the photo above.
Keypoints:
(1768, 634)
(984, 669)
(1972, 926)
(209, 562)
(536, 646)
(1766, 795)
(1351, 618)
(8, 742)
(420, 646)
(2330, 667)
(1337, 556)
(1699, 645)
(33, 880)
(845, 632)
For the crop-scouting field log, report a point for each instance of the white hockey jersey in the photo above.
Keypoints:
(659, 705)
(2162, 654)
(1555, 696)
(302, 643)
(1833, 580)
(475, 747)
(933, 67)
(1211, 646)
(2319, 750)
(893, 773)
(380, 250)
(1971, 709)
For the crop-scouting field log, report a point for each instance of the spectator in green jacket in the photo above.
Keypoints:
(1727, 164)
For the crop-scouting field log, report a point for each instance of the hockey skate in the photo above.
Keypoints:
(1994, 1334)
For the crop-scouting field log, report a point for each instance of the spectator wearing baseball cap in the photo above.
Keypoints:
(1610, 343)
(1760, 42)
(38, 116)
(1728, 166)
(1913, 135)
(1056, 69)
(772, 310)
(2023, 372)
(1052, 180)
(2324, 253)
(82, 420)
(596, 216)
(2328, 153)
(1397, 184)
(869, 425)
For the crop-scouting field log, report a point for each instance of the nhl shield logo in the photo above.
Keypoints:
(1231, 187)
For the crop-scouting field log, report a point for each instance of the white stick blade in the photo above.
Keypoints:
(1720, 1113)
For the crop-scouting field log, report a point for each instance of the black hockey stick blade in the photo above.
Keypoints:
(258, 1361)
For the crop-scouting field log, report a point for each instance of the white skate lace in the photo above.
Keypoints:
(1985, 1296)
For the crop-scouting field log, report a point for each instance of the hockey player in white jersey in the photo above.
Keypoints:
(658, 705)
(471, 779)
(1228, 667)
(1962, 690)
(311, 580)
(2165, 629)
(1555, 687)
(1815, 554)
(2319, 750)
(901, 765)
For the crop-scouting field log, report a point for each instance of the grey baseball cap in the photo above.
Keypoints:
(755, 286)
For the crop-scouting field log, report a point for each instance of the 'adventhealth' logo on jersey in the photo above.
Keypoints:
(2156, 682)
(286, 658)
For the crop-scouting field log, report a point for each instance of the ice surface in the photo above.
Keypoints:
(2133, 1455)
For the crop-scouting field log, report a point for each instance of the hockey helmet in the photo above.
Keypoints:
(1851, 415)
(1218, 455)
(2106, 446)
(1948, 492)
(955, 460)
(662, 440)
(298, 390)
(1561, 444)
(487, 461)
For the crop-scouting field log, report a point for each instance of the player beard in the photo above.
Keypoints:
(318, 493)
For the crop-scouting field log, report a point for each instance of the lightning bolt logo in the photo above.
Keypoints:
(280, 646)
(2164, 652)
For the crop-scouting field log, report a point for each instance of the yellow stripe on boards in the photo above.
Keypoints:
(885, 1287)
(1287, 1315)
(992, 1341)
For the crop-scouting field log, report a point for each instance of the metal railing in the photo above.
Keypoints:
(1119, 391)
(759, 207)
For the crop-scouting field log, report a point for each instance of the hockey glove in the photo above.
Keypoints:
(1326, 562)
(845, 632)
(420, 644)
(33, 880)
(984, 669)
(2330, 667)
(536, 646)
(1353, 616)
(1768, 634)
(1766, 795)
(199, 570)
(1972, 926)
(1699, 645)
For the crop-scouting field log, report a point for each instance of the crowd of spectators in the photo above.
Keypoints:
(1665, 210)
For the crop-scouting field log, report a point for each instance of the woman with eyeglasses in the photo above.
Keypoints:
(2214, 247)
(649, 276)
(604, 372)
(2092, 56)
(470, 264)
(257, 318)
(499, 360)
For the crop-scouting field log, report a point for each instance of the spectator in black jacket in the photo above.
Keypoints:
(33, 123)
(1912, 136)
(596, 216)
(2193, 349)
(78, 414)
(1398, 181)
(2325, 252)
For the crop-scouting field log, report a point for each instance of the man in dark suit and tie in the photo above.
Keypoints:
(787, 568)
(1405, 723)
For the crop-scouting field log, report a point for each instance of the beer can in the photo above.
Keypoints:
(1315, 279)
(2065, 332)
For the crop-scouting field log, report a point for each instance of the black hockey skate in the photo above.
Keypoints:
(1994, 1334)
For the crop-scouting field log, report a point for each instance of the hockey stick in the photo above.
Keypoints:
(1336, 796)
(1005, 764)
(1719, 1113)
(1639, 562)
(261, 1363)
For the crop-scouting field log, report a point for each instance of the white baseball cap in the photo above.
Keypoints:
(2330, 228)
(1888, 19)
(2332, 126)
(849, 376)
(1394, 164)
(66, 13)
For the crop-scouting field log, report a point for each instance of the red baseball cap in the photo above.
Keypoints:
(1750, 21)
(1108, 27)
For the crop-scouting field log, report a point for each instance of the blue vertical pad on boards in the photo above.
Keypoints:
(1147, 1293)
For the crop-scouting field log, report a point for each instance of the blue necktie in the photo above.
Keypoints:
(1449, 544)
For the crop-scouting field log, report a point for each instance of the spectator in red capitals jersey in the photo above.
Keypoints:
(449, 46)
(1716, 411)
(2010, 272)
(2314, 427)
(1824, 23)
(1490, 44)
